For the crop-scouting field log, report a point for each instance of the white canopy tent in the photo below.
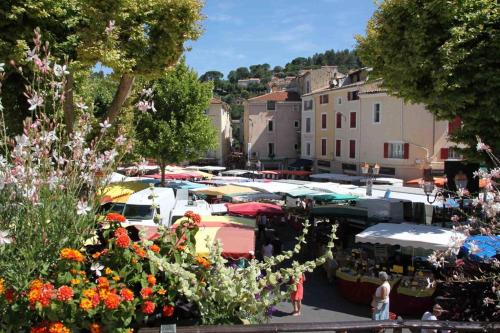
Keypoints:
(412, 235)
(271, 187)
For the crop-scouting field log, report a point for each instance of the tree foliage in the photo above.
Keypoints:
(178, 130)
(134, 38)
(444, 54)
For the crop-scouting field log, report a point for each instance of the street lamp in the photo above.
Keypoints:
(428, 184)
(370, 172)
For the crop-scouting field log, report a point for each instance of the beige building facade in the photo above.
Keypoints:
(219, 114)
(358, 122)
(271, 125)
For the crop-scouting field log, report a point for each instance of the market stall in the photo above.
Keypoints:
(413, 285)
(254, 208)
(218, 192)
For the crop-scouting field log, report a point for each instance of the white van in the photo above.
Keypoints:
(138, 210)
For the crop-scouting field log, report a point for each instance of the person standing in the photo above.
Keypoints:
(267, 248)
(261, 224)
(380, 302)
(297, 295)
(437, 311)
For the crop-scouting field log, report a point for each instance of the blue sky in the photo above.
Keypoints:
(248, 32)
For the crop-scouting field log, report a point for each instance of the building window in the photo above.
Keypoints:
(352, 148)
(308, 149)
(396, 150)
(296, 147)
(296, 124)
(308, 105)
(339, 100)
(338, 120)
(353, 120)
(376, 113)
(308, 87)
(270, 149)
(338, 147)
(454, 154)
(323, 99)
(271, 105)
(270, 125)
(308, 125)
(323, 121)
(323, 147)
(353, 95)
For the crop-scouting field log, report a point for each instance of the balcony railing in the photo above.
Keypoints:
(347, 326)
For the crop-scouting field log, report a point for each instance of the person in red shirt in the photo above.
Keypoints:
(297, 295)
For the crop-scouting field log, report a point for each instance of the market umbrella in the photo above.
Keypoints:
(119, 192)
(225, 190)
(481, 247)
(329, 197)
(254, 209)
(236, 235)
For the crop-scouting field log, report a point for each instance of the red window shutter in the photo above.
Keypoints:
(406, 151)
(386, 150)
(337, 148)
(353, 119)
(444, 153)
(339, 120)
(352, 149)
(454, 125)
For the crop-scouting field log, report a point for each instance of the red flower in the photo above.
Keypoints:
(127, 294)
(103, 282)
(155, 248)
(146, 292)
(115, 217)
(168, 311)
(121, 231)
(112, 301)
(95, 328)
(151, 280)
(64, 293)
(58, 328)
(139, 250)
(148, 307)
(9, 295)
(123, 241)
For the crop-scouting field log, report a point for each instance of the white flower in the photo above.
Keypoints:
(31, 55)
(60, 70)
(35, 101)
(481, 146)
(4, 237)
(153, 106)
(22, 140)
(147, 92)
(110, 27)
(82, 208)
(142, 106)
(1, 67)
(104, 126)
(3, 161)
(474, 248)
(81, 106)
(97, 268)
(120, 140)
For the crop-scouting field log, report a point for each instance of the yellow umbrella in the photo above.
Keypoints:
(204, 174)
(226, 190)
(120, 192)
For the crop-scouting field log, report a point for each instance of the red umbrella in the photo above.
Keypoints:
(254, 209)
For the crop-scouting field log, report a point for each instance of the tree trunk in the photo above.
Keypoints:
(122, 93)
(162, 170)
(68, 106)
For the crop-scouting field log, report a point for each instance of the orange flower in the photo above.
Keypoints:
(2, 287)
(115, 217)
(146, 292)
(71, 254)
(116, 278)
(139, 250)
(95, 300)
(89, 293)
(148, 307)
(103, 282)
(181, 247)
(36, 284)
(123, 241)
(161, 292)
(34, 295)
(202, 261)
(86, 304)
(167, 311)
(155, 248)
(64, 293)
(58, 328)
(103, 293)
(96, 255)
(120, 232)
(151, 280)
(127, 294)
(95, 328)
(42, 328)
(112, 301)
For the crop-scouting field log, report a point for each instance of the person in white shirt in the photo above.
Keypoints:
(267, 249)
(380, 302)
(437, 310)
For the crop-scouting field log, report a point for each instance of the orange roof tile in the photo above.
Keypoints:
(281, 96)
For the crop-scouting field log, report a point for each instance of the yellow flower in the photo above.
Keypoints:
(75, 281)
(108, 271)
(89, 293)
(116, 278)
(85, 304)
(161, 291)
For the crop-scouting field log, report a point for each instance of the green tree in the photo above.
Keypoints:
(179, 130)
(212, 76)
(134, 39)
(444, 54)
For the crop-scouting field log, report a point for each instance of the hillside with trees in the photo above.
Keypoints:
(229, 91)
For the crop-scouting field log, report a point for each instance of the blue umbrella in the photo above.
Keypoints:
(481, 247)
